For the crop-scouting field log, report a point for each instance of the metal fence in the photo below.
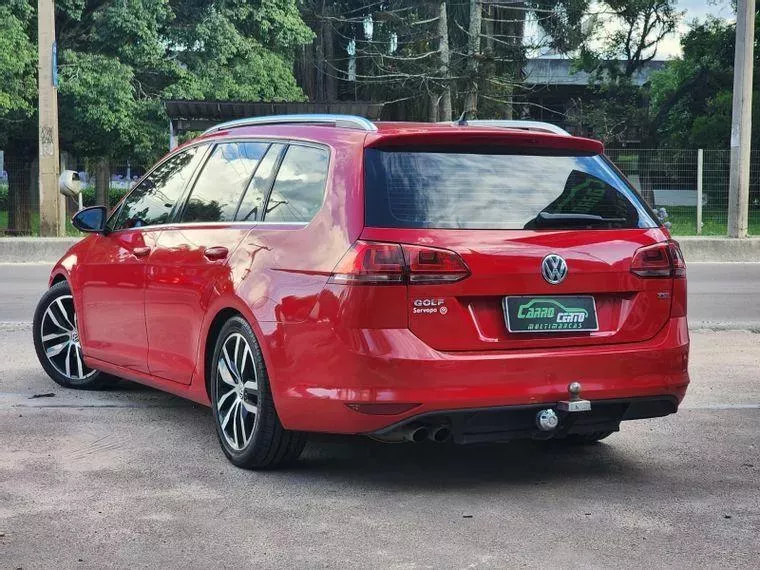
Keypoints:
(676, 180)
(690, 185)
(19, 195)
(19, 202)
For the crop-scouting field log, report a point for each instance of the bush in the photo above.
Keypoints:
(114, 195)
(88, 196)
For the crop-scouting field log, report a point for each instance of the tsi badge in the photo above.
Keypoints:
(429, 307)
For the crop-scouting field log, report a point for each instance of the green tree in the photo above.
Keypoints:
(119, 58)
(18, 105)
(236, 49)
(436, 58)
(694, 94)
(696, 88)
(622, 42)
(619, 44)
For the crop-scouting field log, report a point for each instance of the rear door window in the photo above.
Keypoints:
(464, 190)
(299, 188)
(220, 185)
(252, 206)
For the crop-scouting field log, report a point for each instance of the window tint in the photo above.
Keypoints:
(152, 201)
(586, 199)
(300, 185)
(252, 206)
(497, 191)
(221, 183)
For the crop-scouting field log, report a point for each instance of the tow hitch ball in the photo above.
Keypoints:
(547, 420)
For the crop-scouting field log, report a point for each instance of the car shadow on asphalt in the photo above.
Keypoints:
(336, 458)
(449, 465)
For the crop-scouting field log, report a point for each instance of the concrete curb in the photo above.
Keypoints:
(34, 250)
(716, 249)
(695, 249)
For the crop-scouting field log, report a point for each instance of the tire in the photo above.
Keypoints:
(587, 438)
(249, 430)
(56, 341)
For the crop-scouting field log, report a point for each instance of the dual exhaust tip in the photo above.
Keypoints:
(547, 420)
(419, 433)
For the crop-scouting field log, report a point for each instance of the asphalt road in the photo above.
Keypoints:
(721, 295)
(131, 477)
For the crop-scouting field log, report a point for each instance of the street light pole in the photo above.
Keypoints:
(51, 201)
(741, 120)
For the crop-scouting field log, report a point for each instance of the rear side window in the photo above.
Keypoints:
(220, 185)
(461, 190)
(299, 188)
(153, 200)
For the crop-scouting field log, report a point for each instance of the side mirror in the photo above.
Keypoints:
(69, 183)
(91, 220)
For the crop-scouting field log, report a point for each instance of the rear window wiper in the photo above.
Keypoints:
(546, 218)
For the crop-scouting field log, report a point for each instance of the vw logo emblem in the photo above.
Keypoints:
(554, 269)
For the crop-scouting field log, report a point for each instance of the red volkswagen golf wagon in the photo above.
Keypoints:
(470, 282)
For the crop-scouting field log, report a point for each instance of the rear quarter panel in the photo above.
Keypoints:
(279, 270)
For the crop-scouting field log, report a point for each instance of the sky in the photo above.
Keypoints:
(670, 47)
(694, 9)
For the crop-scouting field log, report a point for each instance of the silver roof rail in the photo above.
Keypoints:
(514, 124)
(345, 121)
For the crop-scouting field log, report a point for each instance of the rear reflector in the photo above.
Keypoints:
(381, 409)
(659, 260)
(391, 263)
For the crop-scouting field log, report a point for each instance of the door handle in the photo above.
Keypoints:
(140, 251)
(215, 253)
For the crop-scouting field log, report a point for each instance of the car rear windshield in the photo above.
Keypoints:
(461, 189)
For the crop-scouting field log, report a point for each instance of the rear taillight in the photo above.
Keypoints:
(378, 263)
(371, 262)
(431, 265)
(659, 260)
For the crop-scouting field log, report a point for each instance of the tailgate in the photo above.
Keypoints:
(469, 315)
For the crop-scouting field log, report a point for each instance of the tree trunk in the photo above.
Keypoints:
(102, 182)
(330, 65)
(516, 30)
(320, 55)
(645, 172)
(433, 102)
(19, 195)
(648, 141)
(645, 165)
(509, 112)
(444, 112)
(473, 54)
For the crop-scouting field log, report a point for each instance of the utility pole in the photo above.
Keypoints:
(473, 55)
(741, 120)
(445, 70)
(51, 201)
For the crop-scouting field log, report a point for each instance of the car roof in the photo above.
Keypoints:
(393, 134)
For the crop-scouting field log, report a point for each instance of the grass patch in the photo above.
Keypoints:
(70, 230)
(714, 221)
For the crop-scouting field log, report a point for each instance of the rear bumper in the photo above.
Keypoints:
(390, 366)
(519, 422)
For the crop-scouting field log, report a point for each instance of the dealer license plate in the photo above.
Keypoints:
(551, 314)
